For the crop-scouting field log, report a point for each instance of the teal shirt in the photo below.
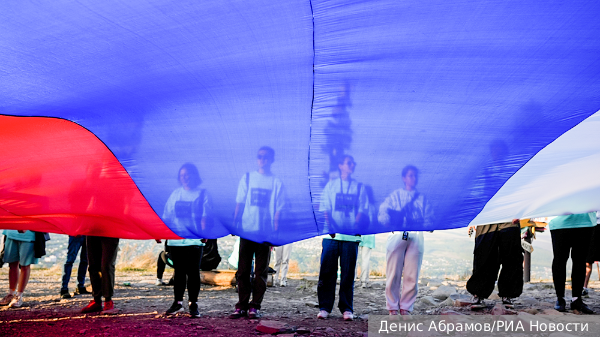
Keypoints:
(573, 221)
(13, 234)
(368, 241)
(185, 242)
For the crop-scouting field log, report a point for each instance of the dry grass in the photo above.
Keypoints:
(379, 272)
(294, 267)
(130, 259)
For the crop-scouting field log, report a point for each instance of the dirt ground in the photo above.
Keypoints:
(142, 305)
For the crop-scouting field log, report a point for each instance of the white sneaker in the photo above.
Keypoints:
(322, 314)
(16, 302)
(283, 283)
(348, 316)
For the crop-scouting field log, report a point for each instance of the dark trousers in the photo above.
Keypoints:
(186, 261)
(347, 253)
(75, 243)
(102, 255)
(575, 241)
(492, 250)
(262, 253)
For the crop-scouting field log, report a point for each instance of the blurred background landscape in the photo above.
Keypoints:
(448, 254)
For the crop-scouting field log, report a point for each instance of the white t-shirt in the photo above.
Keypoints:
(265, 197)
(401, 211)
(343, 201)
(183, 213)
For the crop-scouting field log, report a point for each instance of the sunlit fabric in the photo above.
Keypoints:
(58, 177)
(111, 98)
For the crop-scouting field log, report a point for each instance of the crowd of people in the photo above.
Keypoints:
(345, 204)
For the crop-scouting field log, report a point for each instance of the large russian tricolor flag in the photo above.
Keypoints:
(496, 103)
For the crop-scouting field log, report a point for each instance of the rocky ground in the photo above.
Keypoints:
(286, 309)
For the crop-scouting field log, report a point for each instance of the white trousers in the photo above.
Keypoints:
(404, 258)
(282, 261)
(365, 264)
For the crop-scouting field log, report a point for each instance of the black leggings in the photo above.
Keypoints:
(160, 267)
(575, 241)
(186, 261)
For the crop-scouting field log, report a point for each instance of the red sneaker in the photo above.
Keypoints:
(109, 308)
(93, 306)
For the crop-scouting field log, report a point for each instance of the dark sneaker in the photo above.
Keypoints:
(478, 304)
(82, 291)
(64, 293)
(254, 313)
(508, 303)
(578, 305)
(93, 306)
(561, 305)
(585, 292)
(238, 313)
(194, 313)
(175, 308)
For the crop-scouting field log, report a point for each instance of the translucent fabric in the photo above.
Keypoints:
(103, 102)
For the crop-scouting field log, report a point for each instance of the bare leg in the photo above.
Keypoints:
(588, 273)
(24, 278)
(13, 275)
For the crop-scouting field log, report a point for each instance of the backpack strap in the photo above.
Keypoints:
(274, 199)
(198, 207)
(202, 202)
(247, 184)
(358, 189)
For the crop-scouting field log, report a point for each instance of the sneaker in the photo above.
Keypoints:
(160, 282)
(238, 313)
(508, 303)
(6, 300)
(393, 312)
(93, 306)
(348, 316)
(322, 314)
(109, 308)
(478, 304)
(560, 305)
(64, 293)
(585, 292)
(194, 313)
(404, 312)
(576, 305)
(283, 283)
(17, 302)
(254, 313)
(175, 308)
(82, 291)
